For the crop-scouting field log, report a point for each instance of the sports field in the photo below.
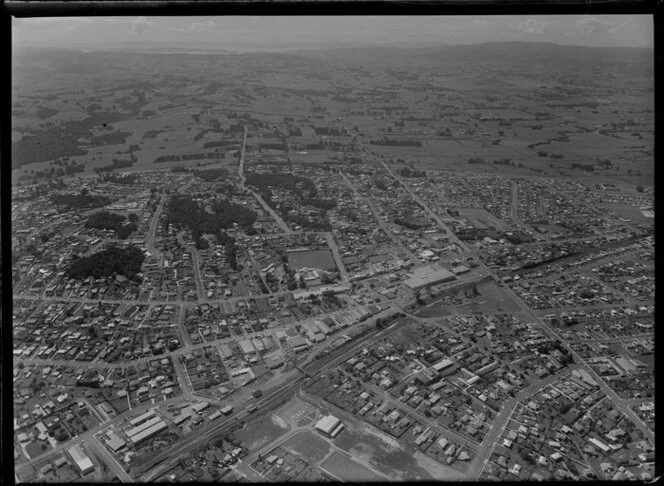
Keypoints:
(342, 466)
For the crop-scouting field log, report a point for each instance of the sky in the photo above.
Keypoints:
(312, 32)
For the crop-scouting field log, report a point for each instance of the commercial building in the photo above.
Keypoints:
(247, 347)
(114, 442)
(140, 428)
(297, 343)
(428, 275)
(441, 365)
(81, 460)
(148, 432)
(200, 406)
(460, 270)
(142, 418)
(329, 425)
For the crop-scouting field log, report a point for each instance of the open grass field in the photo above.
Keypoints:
(312, 259)
(491, 299)
(480, 218)
(629, 212)
(343, 467)
(261, 431)
(386, 455)
(308, 444)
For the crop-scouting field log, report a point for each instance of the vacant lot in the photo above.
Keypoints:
(308, 444)
(491, 298)
(480, 218)
(341, 466)
(260, 432)
(386, 455)
(312, 259)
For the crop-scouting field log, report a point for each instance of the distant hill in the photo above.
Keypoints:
(537, 51)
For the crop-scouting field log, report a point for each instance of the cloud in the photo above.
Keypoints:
(535, 26)
(202, 27)
(140, 25)
(592, 25)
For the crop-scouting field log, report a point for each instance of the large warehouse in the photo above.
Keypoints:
(329, 425)
(428, 275)
(83, 462)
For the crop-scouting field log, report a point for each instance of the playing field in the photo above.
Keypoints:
(308, 444)
(343, 467)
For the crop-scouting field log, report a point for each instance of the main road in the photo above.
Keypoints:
(378, 218)
(280, 222)
(150, 238)
(619, 403)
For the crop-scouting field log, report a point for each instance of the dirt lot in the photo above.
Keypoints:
(262, 431)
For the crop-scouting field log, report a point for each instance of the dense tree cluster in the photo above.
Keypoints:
(106, 263)
(44, 112)
(167, 158)
(311, 224)
(178, 158)
(407, 223)
(273, 146)
(187, 213)
(114, 138)
(59, 141)
(152, 133)
(586, 167)
(200, 135)
(408, 172)
(80, 201)
(115, 164)
(289, 182)
(330, 131)
(105, 220)
(220, 143)
(211, 174)
(396, 143)
(325, 204)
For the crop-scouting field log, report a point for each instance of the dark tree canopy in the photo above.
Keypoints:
(106, 263)
(105, 220)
